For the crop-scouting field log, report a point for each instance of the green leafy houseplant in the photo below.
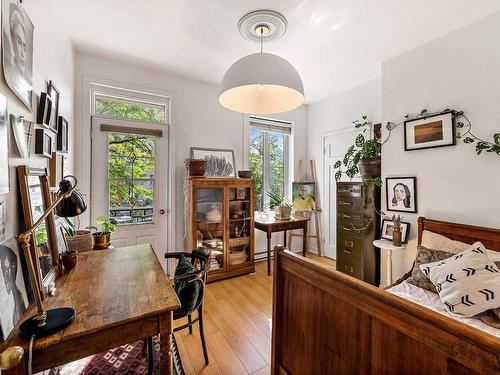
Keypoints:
(366, 147)
(102, 239)
(282, 206)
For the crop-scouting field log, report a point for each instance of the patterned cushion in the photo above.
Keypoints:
(425, 255)
(468, 283)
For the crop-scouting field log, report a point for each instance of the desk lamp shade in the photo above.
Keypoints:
(72, 206)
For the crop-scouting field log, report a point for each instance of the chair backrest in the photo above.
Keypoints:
(203, 256)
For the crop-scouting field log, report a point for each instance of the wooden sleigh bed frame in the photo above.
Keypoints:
(325, 322)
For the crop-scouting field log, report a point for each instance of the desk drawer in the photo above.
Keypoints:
(345, 204)
(350, 268)
(354, 189)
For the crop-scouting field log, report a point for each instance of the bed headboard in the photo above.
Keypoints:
(489, 237)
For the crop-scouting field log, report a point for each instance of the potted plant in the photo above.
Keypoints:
(282, 206)
(102, 239)
(76, 239)
(69, 258)
(363, 157)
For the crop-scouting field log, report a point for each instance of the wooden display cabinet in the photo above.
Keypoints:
(222, 219)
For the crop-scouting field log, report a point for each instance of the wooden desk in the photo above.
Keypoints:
(120, 295)
(274, 225)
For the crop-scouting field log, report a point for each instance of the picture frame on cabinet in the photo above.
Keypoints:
(43, 143)
(4, 146)
(54, 95)
(220, 162)
(62, 135)
(44, 110)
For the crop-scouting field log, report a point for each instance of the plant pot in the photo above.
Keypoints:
(283, 212)
(197, 167)
(102, 240)
(69, 259)
(83, 241)
(371, 166)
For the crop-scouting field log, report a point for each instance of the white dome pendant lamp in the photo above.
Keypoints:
(262, 83)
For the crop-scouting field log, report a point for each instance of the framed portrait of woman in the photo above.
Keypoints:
(401, 194)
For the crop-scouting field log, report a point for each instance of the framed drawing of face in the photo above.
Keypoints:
(401, 194)
(304, 196)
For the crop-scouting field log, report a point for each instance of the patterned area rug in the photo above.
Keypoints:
(125, 360)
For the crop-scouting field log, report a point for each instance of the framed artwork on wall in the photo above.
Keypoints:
(429, 132)
(304, 196)
(22, 131)
(17, 48)
(220, 162)
(4, 146)
(44, 110)
(13, 291)
(388, 226)
(54, 95)
(401, 194)
(62, 135)
(43, 143)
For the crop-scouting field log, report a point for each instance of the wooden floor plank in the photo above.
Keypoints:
(226, 358)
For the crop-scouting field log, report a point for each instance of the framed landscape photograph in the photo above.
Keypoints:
(388, 226)
(429, 132)
(220, 162)
(53, 93)
(401, 194)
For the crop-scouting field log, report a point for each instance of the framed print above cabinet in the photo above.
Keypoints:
(429, 132)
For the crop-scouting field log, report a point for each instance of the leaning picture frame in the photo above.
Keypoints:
(387, 227)
(220, 162)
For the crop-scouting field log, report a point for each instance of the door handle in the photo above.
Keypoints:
(162, 211)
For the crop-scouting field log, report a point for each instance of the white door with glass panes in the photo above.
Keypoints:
(335, 145)
(130, 180)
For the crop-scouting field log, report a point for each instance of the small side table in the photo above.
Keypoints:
(387, 245)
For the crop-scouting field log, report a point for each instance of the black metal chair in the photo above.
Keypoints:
(200, 259)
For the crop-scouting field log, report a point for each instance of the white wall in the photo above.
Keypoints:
(458, 71)
(52, 60)
(336, 113)
(197, 119)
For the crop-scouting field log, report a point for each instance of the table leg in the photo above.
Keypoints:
(166, 343)
(284, 238)
(389, 266)
(304, 239)
(269, 234)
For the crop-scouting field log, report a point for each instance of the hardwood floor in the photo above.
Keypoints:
(237, 319)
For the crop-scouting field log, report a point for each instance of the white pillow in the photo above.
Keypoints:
(468, 283)
(436, 241)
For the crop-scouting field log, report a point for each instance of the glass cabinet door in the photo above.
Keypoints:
(209, 226)
(240, 225)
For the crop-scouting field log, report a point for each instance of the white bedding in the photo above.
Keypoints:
(431, 301)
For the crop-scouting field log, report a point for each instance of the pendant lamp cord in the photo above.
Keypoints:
(261, 38)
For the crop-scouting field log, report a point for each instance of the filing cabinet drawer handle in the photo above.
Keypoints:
(349, 243)
(347, 229)
(351, 271)
(343, 203)
(347, 251)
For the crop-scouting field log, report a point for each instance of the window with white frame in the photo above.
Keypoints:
(268, 158)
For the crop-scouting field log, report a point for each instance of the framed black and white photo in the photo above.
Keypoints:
(12, 287)
(4, 146)
(62, 135)
(44, 110)
(54, 95)
(43, 143)
(220, 162)
(429, 132)
(401, 194)
(17, 48)
(388, 226)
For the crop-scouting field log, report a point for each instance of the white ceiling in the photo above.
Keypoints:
(334, 44)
